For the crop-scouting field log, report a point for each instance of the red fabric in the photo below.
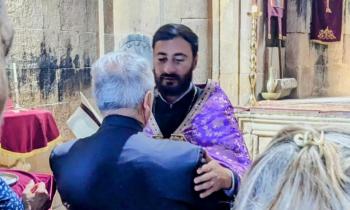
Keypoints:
(9, 104)
(25, 177)
(25, 131)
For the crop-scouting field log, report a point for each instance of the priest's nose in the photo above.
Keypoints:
(169, 68)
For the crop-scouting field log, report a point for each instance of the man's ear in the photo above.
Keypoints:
(147, 104)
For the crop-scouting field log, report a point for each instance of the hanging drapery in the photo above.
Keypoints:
(326, 22)
(276, 21)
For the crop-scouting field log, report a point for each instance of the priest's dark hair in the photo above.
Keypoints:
(172, 31)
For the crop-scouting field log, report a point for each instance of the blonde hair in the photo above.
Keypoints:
(302, 168)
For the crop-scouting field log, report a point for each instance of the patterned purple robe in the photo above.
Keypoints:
(212, 125)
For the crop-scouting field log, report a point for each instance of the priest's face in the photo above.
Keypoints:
(173, 66)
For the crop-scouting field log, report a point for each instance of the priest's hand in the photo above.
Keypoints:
(212, 177)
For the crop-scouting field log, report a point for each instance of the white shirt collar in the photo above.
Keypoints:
(179, 98)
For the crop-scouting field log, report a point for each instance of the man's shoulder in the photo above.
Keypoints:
(210, 85)
(162, 148)
(63, 149)
(212, 91)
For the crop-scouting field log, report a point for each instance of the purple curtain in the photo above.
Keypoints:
(326, 22)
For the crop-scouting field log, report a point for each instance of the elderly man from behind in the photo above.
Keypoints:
(119, 167)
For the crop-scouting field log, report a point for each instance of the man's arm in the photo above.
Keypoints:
(219, 129)
(213, 177)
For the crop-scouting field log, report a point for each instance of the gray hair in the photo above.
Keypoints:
(121, 80)
(302, 168)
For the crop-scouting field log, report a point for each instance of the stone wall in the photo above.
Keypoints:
(57, 41)
(321, 70)
(54, 46)
(135, 16)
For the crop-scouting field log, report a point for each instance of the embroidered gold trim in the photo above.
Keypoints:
(178, 135)
(155, 128)
(326, 34)
(208, 89)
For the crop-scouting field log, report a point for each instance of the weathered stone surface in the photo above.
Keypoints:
(109, 43)
(53, 50)
(26, 41)
(336, 52)
(200, 27)
(194, 9)
(245, 37)
(68, 39)
(87, 44)
(51, 14)
(72, 15)
(214, 41)
(134, 16)
(297, 52)
(337, 80)
(228, 48)
(92, 15)
(305, 76)
(108, 16)
(229, 37)
(347, 18)
(346, 57)
(228, 83)
(299, 16)
(26, 13)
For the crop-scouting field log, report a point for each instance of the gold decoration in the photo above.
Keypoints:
(326, 34)
(178, 137)
(255, 14)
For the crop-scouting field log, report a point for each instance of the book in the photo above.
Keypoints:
(85, 120)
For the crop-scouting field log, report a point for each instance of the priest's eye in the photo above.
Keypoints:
(162, 60)
(179, 60)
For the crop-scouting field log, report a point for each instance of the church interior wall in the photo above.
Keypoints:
(54, 46)
(57, 41)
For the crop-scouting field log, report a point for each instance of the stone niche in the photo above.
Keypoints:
(321, 70)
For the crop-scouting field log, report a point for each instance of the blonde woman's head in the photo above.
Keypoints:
(302, 168)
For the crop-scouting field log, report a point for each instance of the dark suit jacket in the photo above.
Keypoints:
(121, 168)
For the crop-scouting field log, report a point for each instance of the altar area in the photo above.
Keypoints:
(260, 123)
(92, 28)
(309, 51)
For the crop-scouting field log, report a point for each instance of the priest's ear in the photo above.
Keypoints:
(195, 61)
(147, 105)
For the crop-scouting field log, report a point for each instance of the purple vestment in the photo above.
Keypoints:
(211, 124)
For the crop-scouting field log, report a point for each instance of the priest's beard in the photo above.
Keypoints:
(176, 86)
